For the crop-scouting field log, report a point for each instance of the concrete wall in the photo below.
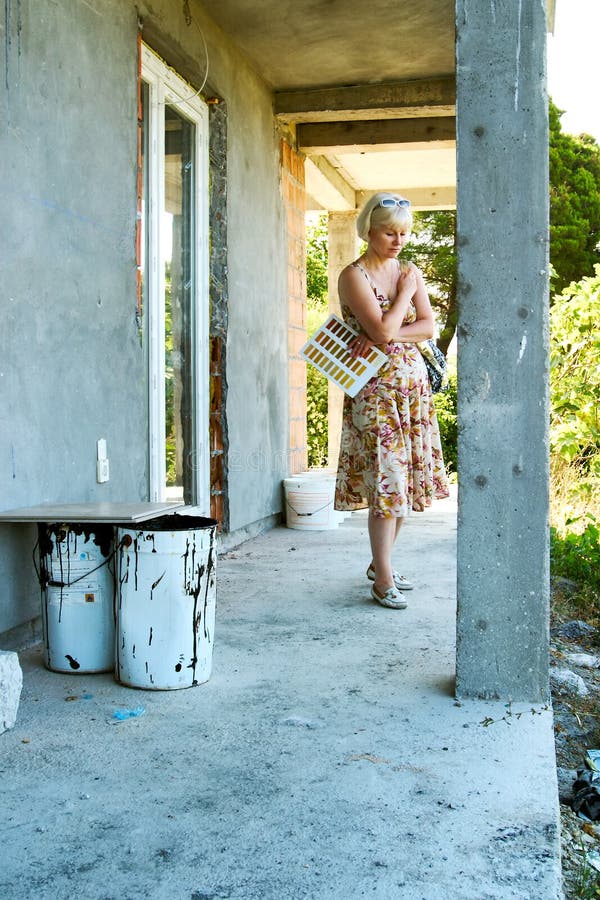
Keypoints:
(257, 397)
(502, 142)
(73, 367)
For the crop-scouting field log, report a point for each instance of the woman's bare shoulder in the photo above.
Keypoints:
(351, 274)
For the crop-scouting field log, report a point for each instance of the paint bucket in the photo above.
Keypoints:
(309, 502)
(78, 591)
(331, 476)
(166, 597)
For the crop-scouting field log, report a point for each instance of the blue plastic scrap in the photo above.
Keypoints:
(122, 714)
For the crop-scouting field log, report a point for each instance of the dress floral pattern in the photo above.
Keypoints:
(390, 451)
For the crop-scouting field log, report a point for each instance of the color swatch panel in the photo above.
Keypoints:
(327, 351)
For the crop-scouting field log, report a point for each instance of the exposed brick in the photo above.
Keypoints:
(297, 313)
(297, 403)
(296, 339)
(216, 507)
(286, 156)
(216, 433)
(298, 167)
(216, 472)
(215, 356)
(216, 394)
(298, 438)
(298, 461)
(218, 438)
(297, 374)
(294, 197)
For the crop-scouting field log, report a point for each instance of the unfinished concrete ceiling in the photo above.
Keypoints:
(300, 45)
(353, 78)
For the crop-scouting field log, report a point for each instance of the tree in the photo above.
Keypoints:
(316, 382)
(574, 203)
(316, 261)
(432, 247)
(575, 377)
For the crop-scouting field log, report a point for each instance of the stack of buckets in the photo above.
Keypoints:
(139, 600)
(309, 499)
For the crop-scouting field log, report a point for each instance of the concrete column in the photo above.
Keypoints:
(343, 247)
(503, 557)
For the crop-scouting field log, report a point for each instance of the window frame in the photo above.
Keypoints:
(166, 87)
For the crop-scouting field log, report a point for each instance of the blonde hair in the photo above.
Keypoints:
(372, 215)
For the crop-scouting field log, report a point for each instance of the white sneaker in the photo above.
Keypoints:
(401, 583)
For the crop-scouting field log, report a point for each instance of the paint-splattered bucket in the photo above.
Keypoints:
(77, 577)
(166, 595)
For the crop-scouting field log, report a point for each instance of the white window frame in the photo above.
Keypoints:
(166, 87)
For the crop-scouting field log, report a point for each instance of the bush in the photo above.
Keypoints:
(445, 406)
(575, 436)
(577, 555)
(575, 377)
(316, 417)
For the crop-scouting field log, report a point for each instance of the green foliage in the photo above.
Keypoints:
(445, 406)
(574, 203)
(575, 433)
(316, 261)
(575, 376)
(317, 309)
(432, 247)
(586, 885)
(316, 417)
(577, 556)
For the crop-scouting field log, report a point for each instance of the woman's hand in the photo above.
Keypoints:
(360, 346)
(407, 284)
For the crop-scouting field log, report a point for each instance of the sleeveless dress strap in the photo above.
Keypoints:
(366, 274)
(368, 277)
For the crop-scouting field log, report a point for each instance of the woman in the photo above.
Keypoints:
(390, 452)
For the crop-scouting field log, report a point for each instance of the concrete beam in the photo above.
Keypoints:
(420, 198)
(327, 187)
(427, 97)
(385, 134)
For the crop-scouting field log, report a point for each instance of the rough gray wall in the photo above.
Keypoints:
(72, 367)
(257, 348)
(257, 355)
(503, 350)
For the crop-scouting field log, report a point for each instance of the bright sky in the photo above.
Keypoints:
(573, 65)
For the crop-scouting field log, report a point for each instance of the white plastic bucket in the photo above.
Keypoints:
(166, 598)
(78, 592)
(309, 502)
(330, 476)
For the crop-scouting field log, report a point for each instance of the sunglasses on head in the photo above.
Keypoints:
(388, 202)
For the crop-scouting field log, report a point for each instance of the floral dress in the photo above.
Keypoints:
(390, 451)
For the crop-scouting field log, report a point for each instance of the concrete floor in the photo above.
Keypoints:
(325, 758)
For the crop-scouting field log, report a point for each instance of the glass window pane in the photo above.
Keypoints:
(177, 239)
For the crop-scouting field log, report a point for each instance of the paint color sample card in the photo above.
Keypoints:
(327, 351)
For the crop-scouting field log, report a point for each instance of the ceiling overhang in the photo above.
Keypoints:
(355, 139)
(366, 89)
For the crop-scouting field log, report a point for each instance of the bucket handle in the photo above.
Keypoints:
(67, 584)
(313, 513)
